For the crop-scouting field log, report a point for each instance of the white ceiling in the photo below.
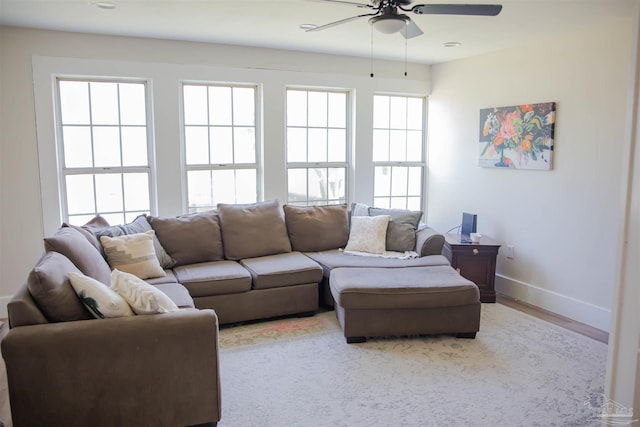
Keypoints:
(275, 23)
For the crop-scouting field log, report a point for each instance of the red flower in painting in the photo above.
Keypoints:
(507, 128)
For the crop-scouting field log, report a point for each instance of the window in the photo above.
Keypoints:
(316, 147)
(104, 150)
(398, 151)
(220, 145)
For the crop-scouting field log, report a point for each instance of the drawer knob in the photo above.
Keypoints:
(475, 251)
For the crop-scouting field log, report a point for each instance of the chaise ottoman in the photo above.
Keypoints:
(380, 302)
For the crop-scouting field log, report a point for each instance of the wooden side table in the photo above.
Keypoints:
(474, 261)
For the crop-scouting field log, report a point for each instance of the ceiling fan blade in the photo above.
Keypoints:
(342, 21)
(411, 30)
(457, 9)
(351, 3)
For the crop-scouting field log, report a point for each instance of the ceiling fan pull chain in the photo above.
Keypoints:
(405, 57)
(371, 51)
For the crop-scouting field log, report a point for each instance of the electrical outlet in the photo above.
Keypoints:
(510, 252)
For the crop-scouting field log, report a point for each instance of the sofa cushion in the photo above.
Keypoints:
(102, 301)
(177, 293)
(133, 253)
(70, 243)
(419, 287)
(139, 225)
(49, 285)
(214, 278)
(335, 259)
(253, 230)
(401, 231)
(169, 277)
(90, 229)
(368, 234)
(274, 271)
(190, 239)
(317, 228)
(141, 296)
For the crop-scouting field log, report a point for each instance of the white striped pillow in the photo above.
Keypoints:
(140, 295)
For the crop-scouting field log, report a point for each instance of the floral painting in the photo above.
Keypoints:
(519, 137)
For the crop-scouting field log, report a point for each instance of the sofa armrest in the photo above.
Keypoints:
(429, 242)
(159, 370)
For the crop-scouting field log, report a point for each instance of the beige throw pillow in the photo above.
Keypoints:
(133, 253)
(368, 234)
(139, 225)
(141, 296)
(102, 301)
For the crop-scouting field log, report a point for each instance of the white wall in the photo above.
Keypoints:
(29, 57)
(563, 223)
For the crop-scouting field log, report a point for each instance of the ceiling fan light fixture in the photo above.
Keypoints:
(389, 24)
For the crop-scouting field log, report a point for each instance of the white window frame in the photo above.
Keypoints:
(346, 165)
(64, 171)
(421, 163)
(257, 165)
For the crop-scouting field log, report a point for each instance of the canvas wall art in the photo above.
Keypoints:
(518, 137)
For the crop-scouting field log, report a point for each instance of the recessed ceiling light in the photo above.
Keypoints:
(451, 44)
(104, 5)
(307, 26)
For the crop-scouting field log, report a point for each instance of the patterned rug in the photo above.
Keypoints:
(519, 371)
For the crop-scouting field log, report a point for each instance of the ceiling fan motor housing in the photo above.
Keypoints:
(390, 21)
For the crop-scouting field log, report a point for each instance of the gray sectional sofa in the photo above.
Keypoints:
(238, 263)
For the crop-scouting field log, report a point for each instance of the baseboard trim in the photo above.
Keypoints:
(580, 311)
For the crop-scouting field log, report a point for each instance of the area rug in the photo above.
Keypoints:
(519, 371)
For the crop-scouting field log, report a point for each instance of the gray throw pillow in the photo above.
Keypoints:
(401, 231)
(190, 239)
(139, 225)
(253, 230)
(90, 229)
(317, 228)
(73, 245)
(49, 285)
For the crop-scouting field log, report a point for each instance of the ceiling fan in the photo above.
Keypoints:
(386, 18)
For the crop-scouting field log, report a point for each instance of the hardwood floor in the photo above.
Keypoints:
(556, 319)
(596, 334)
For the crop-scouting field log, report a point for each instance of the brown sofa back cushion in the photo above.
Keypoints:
(317, 228)
(50, 288)
(72, 244)
(190, 239)
(253, 230)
